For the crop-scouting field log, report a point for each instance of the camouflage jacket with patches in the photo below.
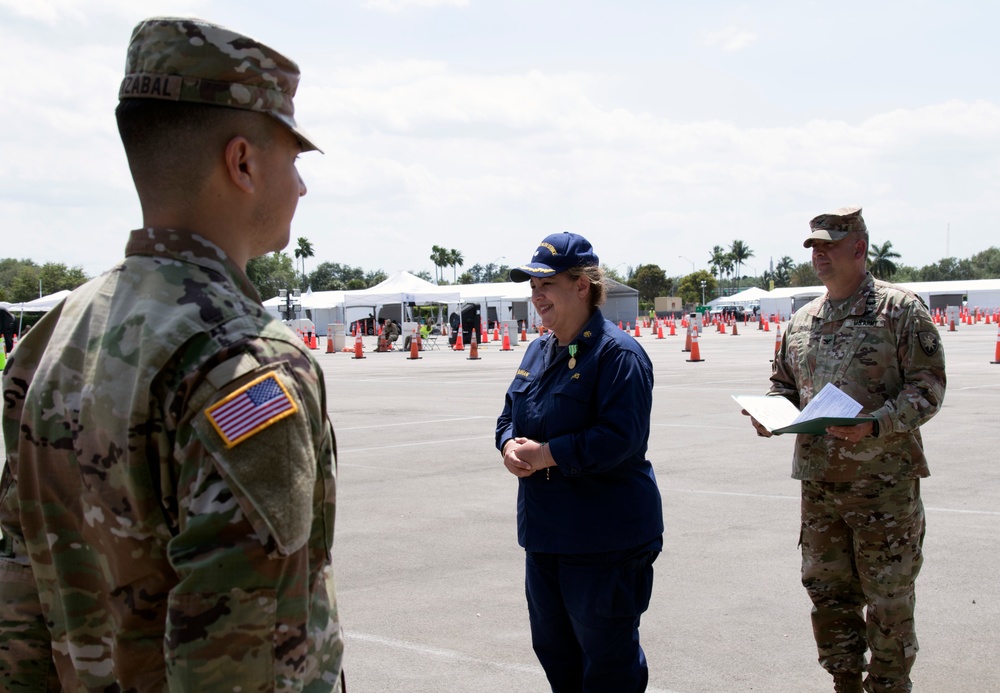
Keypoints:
(880, 347)
(142, 549)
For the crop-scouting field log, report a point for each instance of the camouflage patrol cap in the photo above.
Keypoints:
(835, 225)
(191, 60)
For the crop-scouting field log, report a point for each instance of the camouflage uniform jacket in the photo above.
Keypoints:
(881, 348)
(142, 550)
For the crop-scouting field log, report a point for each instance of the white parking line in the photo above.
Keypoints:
(457, 656)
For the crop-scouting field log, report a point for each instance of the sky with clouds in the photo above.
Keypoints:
(656, 129)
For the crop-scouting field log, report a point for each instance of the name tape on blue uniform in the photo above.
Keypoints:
(251, 409)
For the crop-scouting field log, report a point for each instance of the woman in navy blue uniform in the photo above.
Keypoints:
(574, 431)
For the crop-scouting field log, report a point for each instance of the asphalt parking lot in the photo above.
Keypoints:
(430, 576)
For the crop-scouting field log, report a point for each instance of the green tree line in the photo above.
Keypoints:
(25, 280)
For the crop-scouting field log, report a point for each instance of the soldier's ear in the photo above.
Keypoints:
(241, 160)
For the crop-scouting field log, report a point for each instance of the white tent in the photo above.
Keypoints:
(746, 299)
(510, 300)
(41, 305)
(788, 299)
(323, 307)
(401, 287)
(982, 293)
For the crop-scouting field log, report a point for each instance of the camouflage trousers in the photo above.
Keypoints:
(862, 550)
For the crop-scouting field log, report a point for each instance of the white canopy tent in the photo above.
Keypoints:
(746, 299)
(510, 300)
(787, 300)
(981, 293)
(400, 288)
(40, 305)
(326, 307)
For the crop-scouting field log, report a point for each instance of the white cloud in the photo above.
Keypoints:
(394, 6)
(731, 38)
(482, 161)
(51, 12)
(424, 151)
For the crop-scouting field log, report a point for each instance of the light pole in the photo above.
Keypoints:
(493, 264)
(691, 261)
(703, 292)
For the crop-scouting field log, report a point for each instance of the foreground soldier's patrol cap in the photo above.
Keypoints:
(556, 253)
(835, 225)
(186, 59)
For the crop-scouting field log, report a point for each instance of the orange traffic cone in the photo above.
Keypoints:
(473, 347)
(329, 340)
(496, 332)
(359, 347)
(637, 330)
(997, 357)
(687, 340)
(952, 328)
(777, 340)
(506, 340)
(414, 346)
(313, 342)
(486, 334)
(735, 331)
(659, 330)
(459, 344)
(695, 351)
(722, 327)
(767, 325)
(524, 330)
(673, 328)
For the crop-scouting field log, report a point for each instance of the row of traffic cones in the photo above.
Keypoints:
(690, 346)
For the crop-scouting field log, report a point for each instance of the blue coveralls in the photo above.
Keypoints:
(592, 526)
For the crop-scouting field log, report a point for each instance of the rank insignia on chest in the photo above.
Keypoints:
(250, 409)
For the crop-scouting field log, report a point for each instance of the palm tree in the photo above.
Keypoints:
(740, 252)
(717, 260)
(782, 273)
(303, 251)
(881, 260)
(727, 270)
(455, 258)
(439, 256)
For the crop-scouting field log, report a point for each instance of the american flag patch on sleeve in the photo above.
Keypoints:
(251, 409)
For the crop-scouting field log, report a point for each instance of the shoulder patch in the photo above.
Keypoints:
(251, 409)
(929, 342)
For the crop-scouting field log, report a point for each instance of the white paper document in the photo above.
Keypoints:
(831, 407)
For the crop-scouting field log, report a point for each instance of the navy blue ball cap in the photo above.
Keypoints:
(556, 253)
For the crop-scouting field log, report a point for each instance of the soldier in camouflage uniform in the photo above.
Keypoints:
(862, 517)
(167, 505)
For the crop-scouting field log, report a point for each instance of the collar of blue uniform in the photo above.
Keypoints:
(587, 336)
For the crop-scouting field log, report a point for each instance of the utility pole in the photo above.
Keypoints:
(292, 307)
